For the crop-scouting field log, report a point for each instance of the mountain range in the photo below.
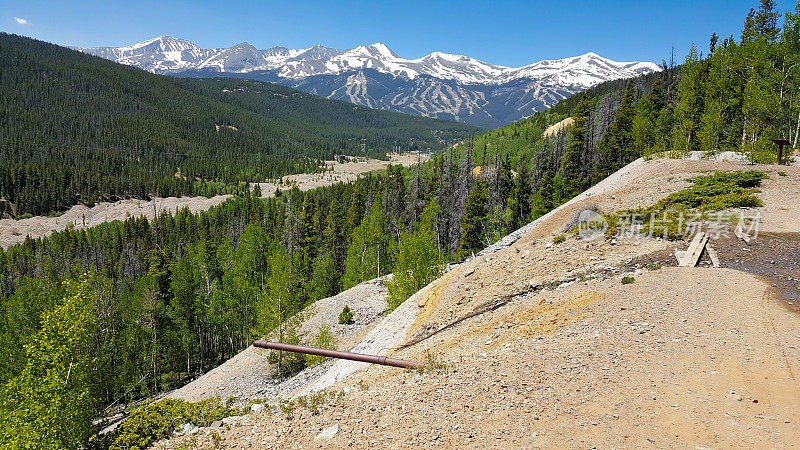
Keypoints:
(439, 85)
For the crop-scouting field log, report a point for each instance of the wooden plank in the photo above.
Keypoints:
(713, 255)
(692, 246)
(694, 251)
(695, 257)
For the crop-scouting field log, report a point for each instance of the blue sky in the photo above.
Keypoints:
(511, 33)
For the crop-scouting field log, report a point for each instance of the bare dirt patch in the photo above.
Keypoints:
(680, 357)
(773, 256)
(668, 361)
(249, 375)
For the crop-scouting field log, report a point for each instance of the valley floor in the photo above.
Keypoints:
(565, 355)
(80, 216)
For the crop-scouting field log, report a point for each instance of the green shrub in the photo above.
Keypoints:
(432, 364)
(311, 402)
(763, 151)
(346, 316)
(559, 239)
(655, 266)
(712, 192)
(157, 420)
(288, 363)
(783, 174)
(627, 280)
(323, 339)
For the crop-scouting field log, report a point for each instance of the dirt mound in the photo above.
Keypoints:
(249, 375)
(668, 361)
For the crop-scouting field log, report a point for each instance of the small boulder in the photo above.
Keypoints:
(187, 427)
(327, 433)
(232, 420)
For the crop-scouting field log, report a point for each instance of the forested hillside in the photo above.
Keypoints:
(738, 96)
(171, 299)
(79, 129)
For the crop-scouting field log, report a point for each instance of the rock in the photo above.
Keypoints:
(327, 433)
(735, 396)
(216, 424)
(256, 407)
(232, 420)
(187, 427)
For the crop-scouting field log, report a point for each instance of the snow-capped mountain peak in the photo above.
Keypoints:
(166, 43)
(382, 50)
(438, 84)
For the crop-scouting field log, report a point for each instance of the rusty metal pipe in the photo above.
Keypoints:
(373, 359)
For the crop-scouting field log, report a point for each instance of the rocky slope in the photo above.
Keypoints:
(437, 85)
(562, 354)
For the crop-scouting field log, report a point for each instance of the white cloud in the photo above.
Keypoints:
(21, 21)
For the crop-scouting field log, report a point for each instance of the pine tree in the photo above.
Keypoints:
(474, 221)
(543, 200)
(690, 105)
(618, 146)
(765, 20)
(505, 180)
(572, 164)
(325, 278)
(395, 198)
(749, 33)
(645, 122)
(520, 201)
(335, 235)
(710, 131)
(712, 45)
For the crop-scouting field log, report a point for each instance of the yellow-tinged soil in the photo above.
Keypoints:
(571, 357)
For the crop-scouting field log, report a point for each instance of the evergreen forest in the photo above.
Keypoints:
(77, 129)
(130, 308)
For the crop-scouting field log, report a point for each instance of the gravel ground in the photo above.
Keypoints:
(573, 358)
(669, 361)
